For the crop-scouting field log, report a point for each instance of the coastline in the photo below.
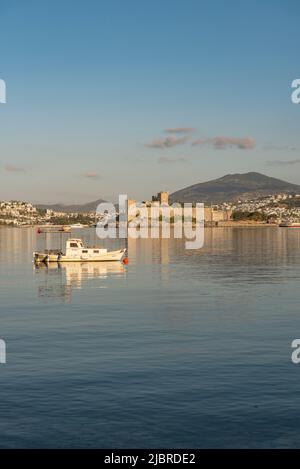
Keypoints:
(220, 224)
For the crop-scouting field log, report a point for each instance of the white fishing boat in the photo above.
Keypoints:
(77, 252)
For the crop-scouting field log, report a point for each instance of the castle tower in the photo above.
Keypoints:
(163, 197)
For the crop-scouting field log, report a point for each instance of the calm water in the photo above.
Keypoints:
(178, 349)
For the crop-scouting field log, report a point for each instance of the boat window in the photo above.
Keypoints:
(85, 251)
(96, 251)
(73, 245)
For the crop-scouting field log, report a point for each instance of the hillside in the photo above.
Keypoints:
(232, 187)
(88, 207)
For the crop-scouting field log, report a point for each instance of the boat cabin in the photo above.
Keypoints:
(75, 249)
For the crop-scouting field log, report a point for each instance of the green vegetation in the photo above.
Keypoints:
(67, 220)
(240, 215)
(292, 203)
(41, 211)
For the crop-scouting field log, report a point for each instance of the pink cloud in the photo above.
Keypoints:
(13, 169)
(91, 175)
(167, 142)
(180, 130)
(223, 142)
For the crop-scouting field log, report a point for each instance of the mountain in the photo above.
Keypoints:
(232, 187)
(89, 207)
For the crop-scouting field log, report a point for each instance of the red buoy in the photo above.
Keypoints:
(125, 260)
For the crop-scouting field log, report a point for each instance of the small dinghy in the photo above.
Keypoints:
(76, 252)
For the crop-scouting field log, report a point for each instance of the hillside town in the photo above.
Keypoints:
(267, 209)
(271, 208)
(18, 213)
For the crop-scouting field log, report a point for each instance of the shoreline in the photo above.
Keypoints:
(224, 224)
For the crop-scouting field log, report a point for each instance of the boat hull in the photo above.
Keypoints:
(58, 257)
(289, 225)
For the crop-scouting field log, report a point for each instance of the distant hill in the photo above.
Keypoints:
(88, 207)
(232, 187)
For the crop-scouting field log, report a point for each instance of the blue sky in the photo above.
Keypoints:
(92, 86)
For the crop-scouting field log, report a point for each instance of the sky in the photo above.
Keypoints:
(137, 96)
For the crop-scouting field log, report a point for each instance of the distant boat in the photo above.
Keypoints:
(77, 225)
(76, 252)
(65, 229)
(290, 224)
(62, 229)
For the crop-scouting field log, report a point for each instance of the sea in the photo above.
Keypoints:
(178, 349)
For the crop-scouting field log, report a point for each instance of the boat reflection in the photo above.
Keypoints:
(57, 280)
